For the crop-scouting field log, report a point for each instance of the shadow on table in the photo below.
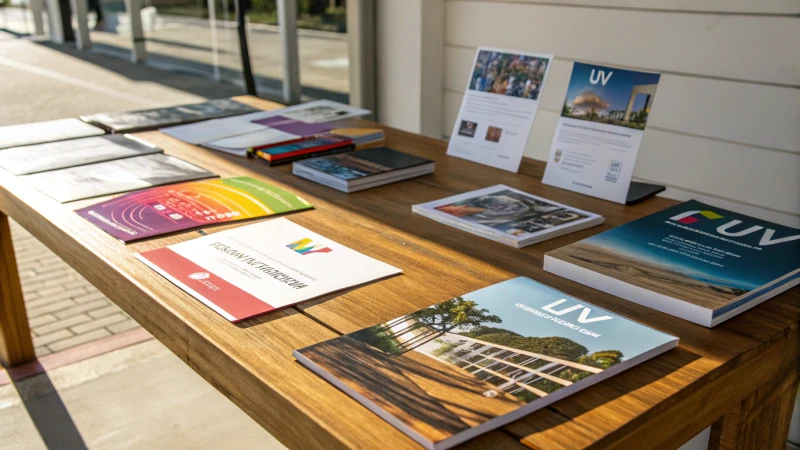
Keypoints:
(49, 414)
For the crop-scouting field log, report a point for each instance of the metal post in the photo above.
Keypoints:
(361, 53)
(82, 40)
(55, 24)
(241, 7)
(287, 19)
(138, 51)
(36, 10)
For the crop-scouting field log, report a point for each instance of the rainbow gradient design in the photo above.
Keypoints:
(304, 247)
(167, 209)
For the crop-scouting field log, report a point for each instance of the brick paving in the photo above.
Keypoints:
(63, 308)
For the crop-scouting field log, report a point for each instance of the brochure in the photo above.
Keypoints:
(499, 107)
(73, 152)
(41, 132)
(363, 169)
(508, 215)
(308, 148)
(694, 261)
(312, 112)
(254, 269)
(167, 209)
(150, 119)
(113, 177)
(447, 373)
(599, 131)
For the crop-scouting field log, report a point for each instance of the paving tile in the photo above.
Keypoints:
(90, 296)
(99, 323)
(41, 351)
(51, 308)
(62, 324)
(102, 312)
(41, 320)
(77, 340)
(52, 337)
(97, 304)
(117, 328)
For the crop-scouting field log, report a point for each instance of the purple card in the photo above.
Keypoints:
(294, 126)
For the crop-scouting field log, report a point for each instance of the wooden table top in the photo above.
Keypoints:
(251, 362)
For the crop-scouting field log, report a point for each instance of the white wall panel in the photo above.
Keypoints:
(714, 6)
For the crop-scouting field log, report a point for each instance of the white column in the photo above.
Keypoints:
(361, 53)
(54, 21)
(36, 10)
(287, 20)
(410, 64)
(138, 51)
(81, 10)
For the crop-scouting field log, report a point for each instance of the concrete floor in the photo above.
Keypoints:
(140, 397)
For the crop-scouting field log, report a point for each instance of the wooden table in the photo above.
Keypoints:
(741, 376)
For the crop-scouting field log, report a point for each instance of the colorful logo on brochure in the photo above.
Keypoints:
(689, 216)
(305, 247)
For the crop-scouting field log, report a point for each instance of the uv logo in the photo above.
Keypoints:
(725, 229)
(600, 76)
(304, 247)
(584, 316)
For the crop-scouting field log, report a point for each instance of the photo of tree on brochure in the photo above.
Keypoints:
(462, 362)
(511, 212)
(508, 74)
(610, 95)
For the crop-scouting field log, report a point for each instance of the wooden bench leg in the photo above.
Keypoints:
(761, 421)
(16, 345)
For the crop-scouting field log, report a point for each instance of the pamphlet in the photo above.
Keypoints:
(599, 131)
(499, 107)
(694, 261)
(254, 269)
(35, 158)
(167, 209)
(113, 177)
(449, 372)
(49, 131)
(508, 215)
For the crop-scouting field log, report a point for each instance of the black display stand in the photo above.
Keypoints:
(241, 7)
(639, 191)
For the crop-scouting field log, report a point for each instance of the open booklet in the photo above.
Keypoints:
(237, 135)
(447, 373)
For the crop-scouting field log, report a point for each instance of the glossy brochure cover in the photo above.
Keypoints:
(254, 269)
(73, 152)
(364, 163)
(113, 177)
(473, 363)
(693, 260)
(49, 131)
(167, 209)
(508, 215)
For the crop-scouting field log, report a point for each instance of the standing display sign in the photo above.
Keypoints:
(599, 131)
(499, 106)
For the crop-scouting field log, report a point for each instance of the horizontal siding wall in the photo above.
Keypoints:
(725, 124)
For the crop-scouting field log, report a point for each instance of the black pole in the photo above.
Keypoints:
(241, 7)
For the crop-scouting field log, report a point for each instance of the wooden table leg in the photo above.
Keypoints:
(16, 345)
(761, 421)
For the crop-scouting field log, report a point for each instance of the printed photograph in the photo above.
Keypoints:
(467, 128)
(462, 362)
(493, 134)
(508, 74)
(511, 212)
(610, 95)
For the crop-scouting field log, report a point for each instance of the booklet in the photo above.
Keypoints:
(447, 373)
(213, 130)
(694, 261)
(254, 269)
(599, 131)
(41, 132)
(177, 207)
(74, 152)
(499, 106)
(363, 169)
(304, 149)
(113, 177)
(150, 119)
(508, 215)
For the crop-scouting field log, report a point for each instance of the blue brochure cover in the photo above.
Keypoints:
(713, 260)
(448, 372)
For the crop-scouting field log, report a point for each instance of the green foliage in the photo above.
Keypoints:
(456, 312)
(573, 375)
(445, 348)
(555, 346)
(483, 330)
(602, 359)
(526, 396)
(376, 338)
